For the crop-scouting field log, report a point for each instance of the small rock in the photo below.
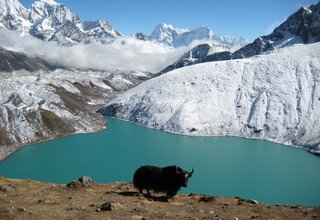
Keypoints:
(98, 210)
(111, 206)
(140, 209)
(48, 201)
(73, 208)
(251, 201)
(125, 187)
(293, 207)
(6, 188)
(86, 181)
(72, 184)
(23, 209)
(207, 199)
(211, 212)
(190, 208)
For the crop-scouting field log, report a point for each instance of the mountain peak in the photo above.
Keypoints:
(49, 2)
(11, 6)
(176, 37)
(14, 16)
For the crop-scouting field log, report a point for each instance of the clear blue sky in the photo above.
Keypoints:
(247, 18)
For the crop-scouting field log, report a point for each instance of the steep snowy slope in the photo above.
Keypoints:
(175, 37)
(274, 97)
(41, 105)
(14, 16)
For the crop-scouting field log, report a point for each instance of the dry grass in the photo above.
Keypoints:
(35, 200)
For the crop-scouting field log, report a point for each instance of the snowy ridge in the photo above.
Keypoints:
(52, 21)
(14, 16)
(302, 26)
(274, 97)
(196, 55)
(175, 37)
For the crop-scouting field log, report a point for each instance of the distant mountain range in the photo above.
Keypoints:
(175, 37)
(52, 21)
(301, 27)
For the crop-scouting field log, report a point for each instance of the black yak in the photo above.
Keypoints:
(161, 179)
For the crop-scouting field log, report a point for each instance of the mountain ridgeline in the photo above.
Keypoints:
(52, 21)
(301, 27)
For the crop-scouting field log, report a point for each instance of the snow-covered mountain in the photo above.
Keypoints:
(52, 21)
(42, 105)
(274, 97)
(196, 55)
(175, 37)
(14, 16)
(301, 27)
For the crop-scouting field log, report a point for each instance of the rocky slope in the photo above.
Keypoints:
(42, 105)
(52, 21)
(301, 27)
(11, 60)
(176, 37)
(26, 199)
(273, 97)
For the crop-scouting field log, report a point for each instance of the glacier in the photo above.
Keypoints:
(275, 97)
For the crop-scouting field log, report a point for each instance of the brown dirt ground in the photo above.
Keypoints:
(28, 199)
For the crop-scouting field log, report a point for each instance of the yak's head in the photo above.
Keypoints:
(183, 176)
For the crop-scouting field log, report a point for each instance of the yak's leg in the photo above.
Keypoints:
(171, 193)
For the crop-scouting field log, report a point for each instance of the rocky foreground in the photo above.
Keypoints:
(84, 199)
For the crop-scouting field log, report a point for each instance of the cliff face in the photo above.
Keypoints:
(27, 199)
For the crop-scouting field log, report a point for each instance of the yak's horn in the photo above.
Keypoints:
(192, 171)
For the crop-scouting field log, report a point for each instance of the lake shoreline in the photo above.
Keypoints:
(6, 151)
(315, 153)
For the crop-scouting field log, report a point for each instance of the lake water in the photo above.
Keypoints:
(224, 166)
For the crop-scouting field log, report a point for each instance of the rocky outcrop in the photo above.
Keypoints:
(11, 61)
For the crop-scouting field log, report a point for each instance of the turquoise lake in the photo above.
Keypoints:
(224, 166)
